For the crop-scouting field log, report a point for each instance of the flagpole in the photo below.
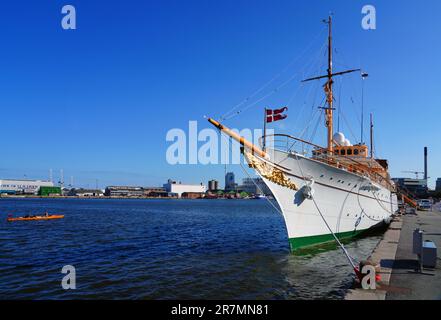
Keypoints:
(264, 130)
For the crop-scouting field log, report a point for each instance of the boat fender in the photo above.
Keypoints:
(308, 191)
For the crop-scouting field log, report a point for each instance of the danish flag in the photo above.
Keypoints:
(276, 114)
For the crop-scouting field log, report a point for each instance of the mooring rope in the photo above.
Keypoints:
(346, 253)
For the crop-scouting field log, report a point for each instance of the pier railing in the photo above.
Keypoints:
(293, 145)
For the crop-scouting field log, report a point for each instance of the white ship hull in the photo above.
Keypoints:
(349, 202)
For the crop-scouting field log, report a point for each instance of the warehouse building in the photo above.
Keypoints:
(135, 191)
(85, 192)
(155, 192)
(21, 186)
(123, 191)
(177, 189)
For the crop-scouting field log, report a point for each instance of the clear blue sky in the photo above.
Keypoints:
(98, 101)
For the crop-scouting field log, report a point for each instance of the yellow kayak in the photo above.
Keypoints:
(34, 218)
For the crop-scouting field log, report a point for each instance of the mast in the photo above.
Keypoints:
(372, 137)
(329, 86)
(264, 130)
(328, 90)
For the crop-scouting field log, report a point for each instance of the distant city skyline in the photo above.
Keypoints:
(98, 101)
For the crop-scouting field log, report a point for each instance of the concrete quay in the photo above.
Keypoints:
(401, 278)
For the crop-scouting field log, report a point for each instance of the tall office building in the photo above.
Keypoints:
(230, 184)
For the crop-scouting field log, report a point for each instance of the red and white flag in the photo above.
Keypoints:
(276, 114)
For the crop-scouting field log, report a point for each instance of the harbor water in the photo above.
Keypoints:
(164, 249)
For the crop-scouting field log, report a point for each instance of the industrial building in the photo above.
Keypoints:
(415, 187)
(177, 189)
(135, 191)
(123, 191)
(213, 185)
(193, 195)
(22, 186)
(254, 186)
(156, 192)
(438, 184)
(85, 192)
(49, 191)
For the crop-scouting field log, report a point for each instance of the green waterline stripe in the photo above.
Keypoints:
(297, 243)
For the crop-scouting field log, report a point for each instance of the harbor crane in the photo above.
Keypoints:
(416, 173)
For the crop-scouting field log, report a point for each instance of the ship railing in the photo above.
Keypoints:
(290, 144)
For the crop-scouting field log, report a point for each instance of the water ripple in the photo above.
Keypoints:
(163, 249)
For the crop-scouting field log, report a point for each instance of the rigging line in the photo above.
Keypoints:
(346, 253)
(352, 88)
(339, 106)
(318, 110)
(320, 58)
(315, 129)
(275, 77)
(304, 129)
(228, 140)
(316, 86)
(303, 132)
(304, 104)
(261, 99)
(308, 67)
(309, 147)
(271, 92)
(354, 101)
(349, 127)
(257, 186)
(291, 99)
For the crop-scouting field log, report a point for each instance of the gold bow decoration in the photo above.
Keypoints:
(269, 172)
